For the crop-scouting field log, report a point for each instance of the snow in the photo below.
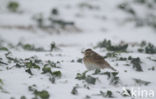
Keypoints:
(106, 22)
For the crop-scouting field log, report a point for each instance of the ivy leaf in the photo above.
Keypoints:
(29, 71)
(57, 73)
(90, 80)
(42, 94)
(74, 91)
(141, 82)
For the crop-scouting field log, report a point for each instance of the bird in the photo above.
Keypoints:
(93, 60)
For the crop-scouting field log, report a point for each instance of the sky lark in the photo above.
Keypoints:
(93, 60)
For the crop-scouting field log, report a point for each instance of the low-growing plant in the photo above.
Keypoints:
(52, 80)
(1, 62)
(108, 45)
(79, 60)
(97, 71)
(111, 55)
(148, 18)
(30, 47)
(34, 63)
(39, 19)
(107, 94)
(52, 64)
(31, 65)
(57, 73)
(113, 77)
(47, 69)
(152, 68)
(29, 71)
(41, 94)
(13, 6)
(28, 63)
(1, 83)
(52, 46)
(104, 43)
(1, 87)
(61, 23)
(89, 79)
(54, 11)
(122, 58)
(125, 7)
(136, 64)
(23, 97)
(87, 97)
(3, 49)
(150, 49)
(53, 24)
(87, 5)
(74, 90)
(80, 76)
(140, 1)
(10, 58)
(141, 82)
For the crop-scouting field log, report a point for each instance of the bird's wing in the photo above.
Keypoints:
(99, 59)
(102, 63)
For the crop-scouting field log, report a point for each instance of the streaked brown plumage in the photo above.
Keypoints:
(93, 60)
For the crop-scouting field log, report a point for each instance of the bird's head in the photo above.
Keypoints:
(88, 52)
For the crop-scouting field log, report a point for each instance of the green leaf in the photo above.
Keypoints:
(57, 73)
(52, 64)
(52, 80)
(30, 47)
(29, 71)
(42, 94)
(13, 6)
(32, 65)
(107, 44)
(1, 82)
(136, 64)
(107, 94)
(52, 46)
(113, 76)
(3, 49)
(141, 82)
(97, 71)
(81, 76)
(90, 80)
(32, 88)
(74, 91)
(46, 69)
(79, 60)
(55, 11)
(108, 74)
(150, 49)
(23, 97)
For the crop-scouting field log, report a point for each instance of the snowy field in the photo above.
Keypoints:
(41, 43)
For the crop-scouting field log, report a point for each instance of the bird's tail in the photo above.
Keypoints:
(112, 68)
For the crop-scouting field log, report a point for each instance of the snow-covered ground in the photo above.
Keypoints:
(95, 20)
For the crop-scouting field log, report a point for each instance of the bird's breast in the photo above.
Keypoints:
(90, 65)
